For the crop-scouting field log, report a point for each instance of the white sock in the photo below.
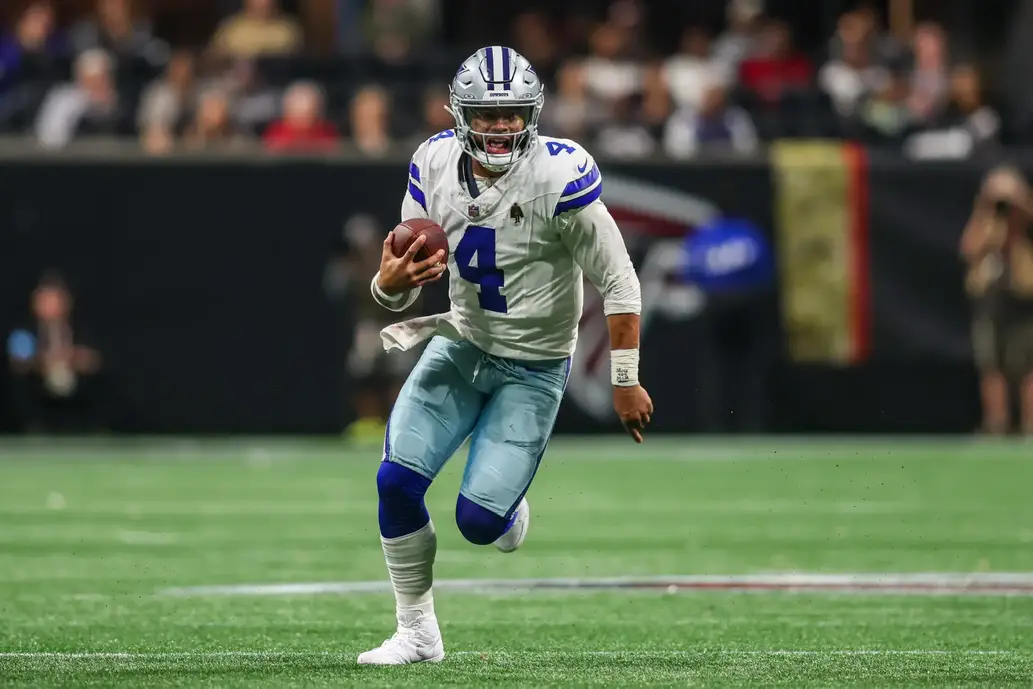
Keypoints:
(410, 562)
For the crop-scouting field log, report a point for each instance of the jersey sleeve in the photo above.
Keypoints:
(578, 180)
(588, 230)
(414, 203)
(597, 245)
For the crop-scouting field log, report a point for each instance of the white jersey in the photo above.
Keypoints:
(519, 249)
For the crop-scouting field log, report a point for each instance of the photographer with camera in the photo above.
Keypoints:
(997, 244)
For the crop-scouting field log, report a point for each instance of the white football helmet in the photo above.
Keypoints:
(496, 78)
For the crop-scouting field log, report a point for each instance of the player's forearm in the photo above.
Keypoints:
(623, 330)
(624, 340)
(393, 302)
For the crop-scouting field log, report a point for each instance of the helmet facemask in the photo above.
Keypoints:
(496, 148)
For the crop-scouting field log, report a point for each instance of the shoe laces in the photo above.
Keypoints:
(408, 630)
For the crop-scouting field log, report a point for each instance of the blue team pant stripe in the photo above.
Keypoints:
(506, 77)
(414, 171)
(417, 194)
(581, 183)
(490, 55)
(580, 201)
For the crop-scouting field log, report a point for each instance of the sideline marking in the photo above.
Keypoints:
(932, 583)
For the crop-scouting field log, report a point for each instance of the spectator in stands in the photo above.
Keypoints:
(34, 36)
(776, 67)
(610, 73)
(534, 38)
(967, 127)
(929, 77)
(259, 29)
(255, 104)
(715, 127)
(630, 17)
(303, 127)
(656, 99)
(688, 74)
(883, 118)
(115, 31)
(371, 121)
(853, 72)
(997, 244)
(55, 371)
(436, 117)
(166, 103)
(626, 135)
(739, 41)
(589, 89)
(567, 114)
(397, 28)
(213, 127)
(882, 47)
(89, 105)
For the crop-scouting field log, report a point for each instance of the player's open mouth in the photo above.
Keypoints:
(498, 145)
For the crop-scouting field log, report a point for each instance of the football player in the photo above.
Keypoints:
(524, 222)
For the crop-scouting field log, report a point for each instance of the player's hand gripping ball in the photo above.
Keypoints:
(415, 254)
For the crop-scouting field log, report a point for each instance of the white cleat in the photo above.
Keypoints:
(418, 640)
(514, 538)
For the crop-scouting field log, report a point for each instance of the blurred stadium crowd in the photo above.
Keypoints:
(626, 77)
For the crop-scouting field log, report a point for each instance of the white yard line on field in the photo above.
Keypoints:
(922, 584)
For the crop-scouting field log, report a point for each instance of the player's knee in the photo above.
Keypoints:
(478, 525)
(397, 482)
(401, 491)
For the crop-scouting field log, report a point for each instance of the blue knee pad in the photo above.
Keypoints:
(479, 525)
(401, 491)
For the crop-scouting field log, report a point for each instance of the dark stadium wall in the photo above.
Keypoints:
(203, 283)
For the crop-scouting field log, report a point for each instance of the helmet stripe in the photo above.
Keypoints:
(499, 75)
(489, 54)
(506, 76)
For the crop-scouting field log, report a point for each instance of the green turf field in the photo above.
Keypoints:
(100, 544)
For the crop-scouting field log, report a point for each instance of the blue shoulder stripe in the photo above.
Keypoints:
(417, 194)
(578, 202)
(581, 183)
(414, 171)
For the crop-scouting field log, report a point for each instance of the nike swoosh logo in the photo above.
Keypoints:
(581, 168)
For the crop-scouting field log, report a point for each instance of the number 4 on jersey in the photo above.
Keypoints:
(475, 258)
(555, 148)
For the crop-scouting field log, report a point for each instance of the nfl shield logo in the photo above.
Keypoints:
(474, 210)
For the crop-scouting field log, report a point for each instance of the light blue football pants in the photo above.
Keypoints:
(506, 407)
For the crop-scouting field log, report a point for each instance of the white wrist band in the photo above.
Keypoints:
(624, 367)
(379, 293)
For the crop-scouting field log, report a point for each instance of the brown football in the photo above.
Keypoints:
(406, 232)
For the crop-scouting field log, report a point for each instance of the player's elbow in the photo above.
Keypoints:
(623, 294)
